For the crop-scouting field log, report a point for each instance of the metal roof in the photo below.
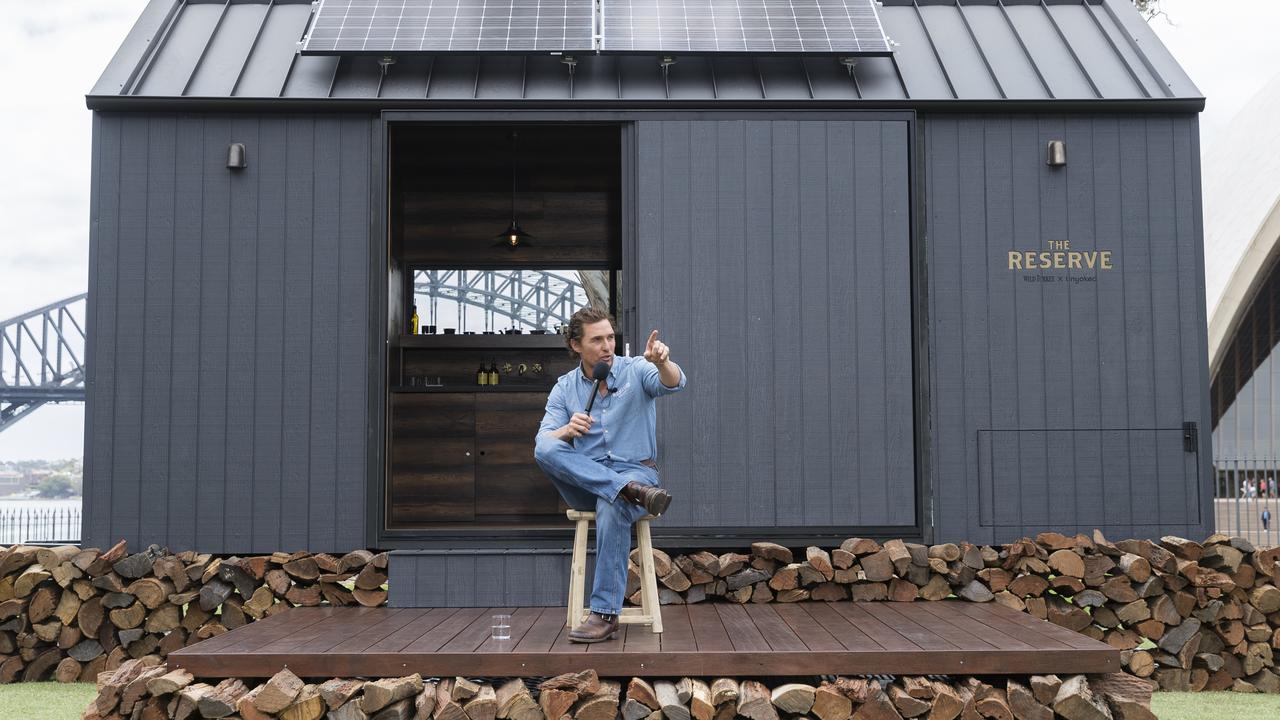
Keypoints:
(243, 53)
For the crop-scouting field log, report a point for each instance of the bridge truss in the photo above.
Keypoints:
(42, 358)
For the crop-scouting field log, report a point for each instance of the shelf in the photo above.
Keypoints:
(484, 342)
(471, 389)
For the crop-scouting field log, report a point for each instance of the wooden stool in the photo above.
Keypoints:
(648, 613)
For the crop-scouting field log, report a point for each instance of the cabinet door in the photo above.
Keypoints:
(508, 481)
(432, 473)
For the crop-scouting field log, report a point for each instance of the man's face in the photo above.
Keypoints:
(597, 344)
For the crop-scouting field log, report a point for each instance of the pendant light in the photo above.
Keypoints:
(513, 237)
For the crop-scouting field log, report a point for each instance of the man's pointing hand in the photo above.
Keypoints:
(656, 351)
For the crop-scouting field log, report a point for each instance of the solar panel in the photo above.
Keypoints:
(355, 26)
(711, 26)
(768, 26)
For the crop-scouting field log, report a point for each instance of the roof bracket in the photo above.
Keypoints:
(849, 62)
(385, 63)
(570, 62)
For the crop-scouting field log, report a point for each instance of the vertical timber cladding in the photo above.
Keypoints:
(774, 257)
(1060, 393)
(228, 334)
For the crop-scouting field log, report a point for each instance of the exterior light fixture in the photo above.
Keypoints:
(1057, 156)
(237, 158)
(513, 237)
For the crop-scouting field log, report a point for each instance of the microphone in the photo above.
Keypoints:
(599, 373)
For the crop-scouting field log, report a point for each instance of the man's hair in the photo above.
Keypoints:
(583, 317)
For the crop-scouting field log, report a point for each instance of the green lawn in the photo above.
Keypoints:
(55, 701)
(45, 700)
(1220, 705)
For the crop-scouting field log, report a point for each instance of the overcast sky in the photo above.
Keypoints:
(52, 51)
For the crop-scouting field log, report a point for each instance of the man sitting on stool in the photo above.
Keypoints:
(605, 461)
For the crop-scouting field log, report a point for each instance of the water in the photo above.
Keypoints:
(501, 627)
(39, 520)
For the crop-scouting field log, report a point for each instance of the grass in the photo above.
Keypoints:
(1224, 705)
(45, 700)
(56, 701)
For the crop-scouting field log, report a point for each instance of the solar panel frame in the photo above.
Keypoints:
(353, 27)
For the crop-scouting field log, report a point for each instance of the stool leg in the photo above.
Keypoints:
(648, 577)
(578, 575)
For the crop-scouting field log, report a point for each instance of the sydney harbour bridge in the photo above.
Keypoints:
(42, 352)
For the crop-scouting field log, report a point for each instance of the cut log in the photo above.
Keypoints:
(669, 699)
(793, 698)
(555, 703)
(585, 682)
(516, 703)
(463, 689)
(303, 568)
(991, 702)
(1128, 697)
(337, 692)
(169, 682)
(279, 692)
(130, 617)
(642, 692)
(820, 560)
(831, 704)
(755, 702)
(222, 700)
(723, 690)
(381, 693)
(484, 705)
(877, 707)
(946, 704)
(1076, 701)
(906, 705)
(1023, 702)
(308, 706)
(700, 705)
(445, 707)
(68, 671)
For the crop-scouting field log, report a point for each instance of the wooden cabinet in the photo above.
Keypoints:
(466, 458)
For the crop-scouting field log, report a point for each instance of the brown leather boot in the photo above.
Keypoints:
(653, 499)
(596, 628)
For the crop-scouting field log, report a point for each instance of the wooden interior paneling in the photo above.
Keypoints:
(432, 473)
(508, 482)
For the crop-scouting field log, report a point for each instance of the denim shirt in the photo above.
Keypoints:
(625, 418)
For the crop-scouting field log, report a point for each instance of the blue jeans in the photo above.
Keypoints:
(587, 484)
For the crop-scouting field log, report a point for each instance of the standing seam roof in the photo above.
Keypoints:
(944, 50)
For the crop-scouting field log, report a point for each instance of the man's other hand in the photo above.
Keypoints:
(577, 426)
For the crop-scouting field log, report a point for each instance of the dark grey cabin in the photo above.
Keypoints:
(897, 319)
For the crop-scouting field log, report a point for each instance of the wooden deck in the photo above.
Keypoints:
(806, 638)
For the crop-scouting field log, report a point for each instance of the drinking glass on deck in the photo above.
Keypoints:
(501, 627)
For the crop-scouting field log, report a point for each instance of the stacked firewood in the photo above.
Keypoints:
(140, 689)
(1192, 616)
(72, 613)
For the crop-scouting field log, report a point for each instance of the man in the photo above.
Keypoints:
(605, 461)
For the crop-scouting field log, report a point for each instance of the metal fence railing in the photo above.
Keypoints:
(1246, 498)
(39, 525)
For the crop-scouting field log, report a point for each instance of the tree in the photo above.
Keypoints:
(57, 485)
(1149, 8)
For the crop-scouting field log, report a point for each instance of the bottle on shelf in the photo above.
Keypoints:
(413, 321)
(482, 375)
(493, 373)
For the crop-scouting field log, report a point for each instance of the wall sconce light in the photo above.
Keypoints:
(237, 158)
(1057, 154)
